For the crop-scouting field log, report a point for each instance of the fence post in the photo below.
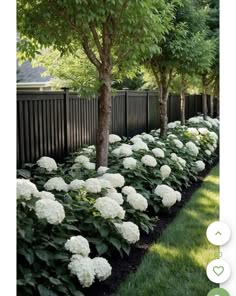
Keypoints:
(147, 111)
(126, 112)
(67, 119)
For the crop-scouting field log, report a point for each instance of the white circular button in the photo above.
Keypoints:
(218, 233)
(218, 271)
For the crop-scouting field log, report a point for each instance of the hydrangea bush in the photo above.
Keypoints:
(70, 214)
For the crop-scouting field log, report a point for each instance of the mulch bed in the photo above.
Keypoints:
(121, 268)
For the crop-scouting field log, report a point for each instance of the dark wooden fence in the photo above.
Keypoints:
(57, 123)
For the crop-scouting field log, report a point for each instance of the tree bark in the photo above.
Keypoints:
(163, 102)
(182, 102)
(212, 105)
(104, 117)
(204, 97)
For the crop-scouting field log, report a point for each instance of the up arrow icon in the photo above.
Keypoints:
(218, 232)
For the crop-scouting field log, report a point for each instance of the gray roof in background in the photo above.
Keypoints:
(26, 73)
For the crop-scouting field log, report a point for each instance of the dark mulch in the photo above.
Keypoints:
(121, 268)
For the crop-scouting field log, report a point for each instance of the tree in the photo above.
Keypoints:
(110, 32)
(179, 51)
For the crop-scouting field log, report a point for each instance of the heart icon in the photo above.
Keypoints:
(218, 270)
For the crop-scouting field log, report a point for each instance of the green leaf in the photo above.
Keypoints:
(101, 248)
(115, 242)
(55, 281)
(42, 255)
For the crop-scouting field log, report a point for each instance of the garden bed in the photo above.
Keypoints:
(81, 231)
(123, 267)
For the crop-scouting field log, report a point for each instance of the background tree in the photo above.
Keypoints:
(180, 50)
(110, 32)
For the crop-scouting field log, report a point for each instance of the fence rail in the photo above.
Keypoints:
(57, 123)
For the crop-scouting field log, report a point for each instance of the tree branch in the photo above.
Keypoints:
(91, 55)
(96, 40)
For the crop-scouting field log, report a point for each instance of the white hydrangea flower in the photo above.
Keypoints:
(203, 131)
(148, 138)
(114, 138)
(208, 124)
(192, 149)
(93, 185)
(178, 143)
(208, 152)
(102, 170)
(116, 180)
(165, 171)
(83, 268)
(182, 162)
(171, 136)
(56, 183)
(193, 131)
(89, 165)
(116, 152)
(171, 125)
(194, 120)
(162, 190)
(109, 208)
(113, 194)
(46, 195)
(137, 201)
(76, 184)
(82, 159)
(213, 136)
(50, 210)
(210, 147)
(213, 121)
(140, 145)
(129, 163)
(174, 156)
(128, 190)
(200, 165)
(125, 151)
(105, 183)
(158, 152)
(78, 245)
(137, 138)
(160, 143)
(87, 151)
(25, 189)
(178, 195)
(149, 160)
(129, 231)
(102, 268)
(169, 199)
(47, 163)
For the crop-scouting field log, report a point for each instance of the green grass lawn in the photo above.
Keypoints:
(175, 265)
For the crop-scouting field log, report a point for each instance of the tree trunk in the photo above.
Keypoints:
(204, 97)
(182, 102)
(212, 105)
(163, 102)
(104, 118)
(218, 106)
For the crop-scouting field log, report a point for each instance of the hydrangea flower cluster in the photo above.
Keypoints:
(165, 171)
(169, 195)
(85, 268)
(149, 160)
(47, 163)
(109, 208)
(137, 201)
(200, 165)
(50, 210)
(129, 231)
(26, 189)
(116, 180)
(114, 138)
(158, 152)
(56, 183)
(129, 163)
(192, 149)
